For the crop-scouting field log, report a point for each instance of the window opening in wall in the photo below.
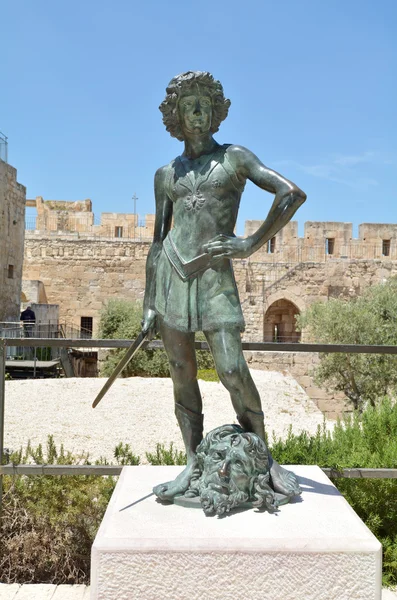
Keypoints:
(271, 245)
(10, 271)
(276, 333)
(86, 327)
(118, 232)
(386, 247)
(329, 245)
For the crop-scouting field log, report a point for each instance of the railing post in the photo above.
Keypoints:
(2, 400)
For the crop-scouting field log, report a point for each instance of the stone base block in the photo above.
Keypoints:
(316, 548)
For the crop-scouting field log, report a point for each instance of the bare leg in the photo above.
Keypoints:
(188, 404)
(234, 374)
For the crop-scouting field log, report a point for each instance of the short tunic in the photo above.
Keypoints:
(205, 302)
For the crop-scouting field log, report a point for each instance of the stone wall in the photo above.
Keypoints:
(62, 217)
(322, 240)
(12, 231)
(301, 366)
(124, 225)
(328, 240)
(82, 274)
(32, 291)
(262, 284)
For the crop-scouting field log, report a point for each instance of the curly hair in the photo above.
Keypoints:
(182, 84)
(255, 448)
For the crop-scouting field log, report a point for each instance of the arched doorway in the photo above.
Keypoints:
(280, 322)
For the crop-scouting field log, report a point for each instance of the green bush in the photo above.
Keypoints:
(166, 456)
(360, 440)
(124, 455)
(375, 502)
(49, 522)
(121, 319)
(367, 441)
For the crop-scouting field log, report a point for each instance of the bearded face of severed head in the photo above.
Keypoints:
(234, 468)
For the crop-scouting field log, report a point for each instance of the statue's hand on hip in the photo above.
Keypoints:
(228, 246)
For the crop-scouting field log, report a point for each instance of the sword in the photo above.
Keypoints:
(132, 350)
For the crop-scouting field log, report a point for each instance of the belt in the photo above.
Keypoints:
(185, 269)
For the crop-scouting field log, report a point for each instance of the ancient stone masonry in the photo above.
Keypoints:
(289, 273)
(61, 216)
(12, 231)
(82, 265)
(300, 286)
(82, 274)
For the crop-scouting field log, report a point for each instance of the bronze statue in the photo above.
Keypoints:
(190, 284)
(232, 470)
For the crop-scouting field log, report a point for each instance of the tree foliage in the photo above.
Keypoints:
(121, 319)
(369, 319)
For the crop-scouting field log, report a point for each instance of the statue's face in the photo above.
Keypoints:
(227, 467)
(195, 112)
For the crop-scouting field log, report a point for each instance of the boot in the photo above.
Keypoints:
(191, 426)
(253, 421)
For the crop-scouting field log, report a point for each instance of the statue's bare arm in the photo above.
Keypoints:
(288, 198)
(162, 226)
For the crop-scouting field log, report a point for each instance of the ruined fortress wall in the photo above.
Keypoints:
(12, 232)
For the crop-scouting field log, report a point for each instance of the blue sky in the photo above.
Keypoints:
(312, 83)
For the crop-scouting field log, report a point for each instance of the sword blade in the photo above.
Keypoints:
(132, 350)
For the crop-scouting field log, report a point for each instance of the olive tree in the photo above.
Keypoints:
(367, 319)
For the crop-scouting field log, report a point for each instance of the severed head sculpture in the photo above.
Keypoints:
(233, 470)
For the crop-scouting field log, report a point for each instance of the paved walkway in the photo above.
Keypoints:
(36, 591)
(74, 592)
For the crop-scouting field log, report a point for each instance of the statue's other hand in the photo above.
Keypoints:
(228, 246)
(149, 323)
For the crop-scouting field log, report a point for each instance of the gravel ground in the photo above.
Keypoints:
(138, 411)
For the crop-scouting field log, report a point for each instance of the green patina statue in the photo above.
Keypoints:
(189, 277)
(232, 470)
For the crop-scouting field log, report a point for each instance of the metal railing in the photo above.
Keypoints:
(109, 344)
(3, 147)
(29, 330)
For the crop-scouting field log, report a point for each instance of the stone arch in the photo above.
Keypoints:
(279, 323)
(285, 295)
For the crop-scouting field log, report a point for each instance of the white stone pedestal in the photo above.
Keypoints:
(313, 549)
